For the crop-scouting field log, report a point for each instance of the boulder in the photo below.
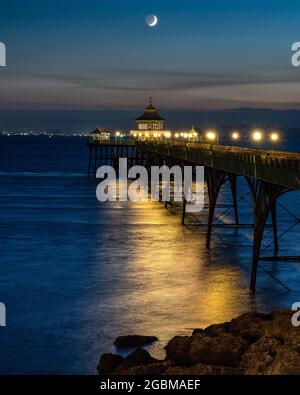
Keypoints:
(223, 350)
(286, 362)
(281, 326)
(260, 356)
(108, 363)
(217, 329)
(147, 370)
(134, 340)
(201, 369)
(137, 357)
(251, 326)
(177, 350)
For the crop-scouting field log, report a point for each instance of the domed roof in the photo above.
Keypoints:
(150, 114)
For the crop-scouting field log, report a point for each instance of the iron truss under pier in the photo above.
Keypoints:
(268, 174)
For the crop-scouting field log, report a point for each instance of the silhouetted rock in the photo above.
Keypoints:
(109, 362)
(134, 340)
(196, 331)
(137, 357)
(251, 344)
(217, 329)
(250, 326)
(223, 350)
(150, 369)
(177, 350)
(277, 355)
(201, 369)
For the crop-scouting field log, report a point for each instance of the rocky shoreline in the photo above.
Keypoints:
(251, 344)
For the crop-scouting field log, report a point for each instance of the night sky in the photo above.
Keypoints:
(100, 54)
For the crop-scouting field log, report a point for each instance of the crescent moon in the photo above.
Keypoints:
(154, 22)
(151, 20)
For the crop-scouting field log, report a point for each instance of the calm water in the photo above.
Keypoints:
(75, 273)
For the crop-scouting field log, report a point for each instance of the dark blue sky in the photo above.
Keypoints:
(100, 54)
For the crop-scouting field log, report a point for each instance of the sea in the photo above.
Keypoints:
(76, 273)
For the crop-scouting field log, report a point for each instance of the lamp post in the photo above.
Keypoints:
(257, 136)
(235, 136)
(274, 136)
(211, 136)
(117, 136)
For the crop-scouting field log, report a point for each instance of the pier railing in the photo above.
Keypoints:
(282, 168)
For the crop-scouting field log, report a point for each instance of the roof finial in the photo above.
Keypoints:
(150, 100)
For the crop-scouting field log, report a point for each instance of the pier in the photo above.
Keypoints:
(269, 175)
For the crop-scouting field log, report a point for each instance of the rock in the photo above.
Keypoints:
(217, 329)
(281, 313)
(201, 369)
(259, 356)
(224, 350)
(213, 330)
(278, 351)
(286, 362)
(177, 350)
(134, 340)
(137, 357)
(196, 331)
(250, 326)
(150, 369)
(281, 326)
(108, 363)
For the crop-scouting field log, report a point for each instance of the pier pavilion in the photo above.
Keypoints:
(100, 135)
(150, 124)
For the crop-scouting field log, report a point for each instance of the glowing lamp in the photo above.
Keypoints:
(257, 135)
(211, 136)
(274, 137)
(235, 135)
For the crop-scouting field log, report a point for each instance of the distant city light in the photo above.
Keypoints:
(167, 135)
(118, 134)
(176, 135)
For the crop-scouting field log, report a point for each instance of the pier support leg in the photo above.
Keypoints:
(232, 181)
(264, 197)
(274, 223)
(215, 180)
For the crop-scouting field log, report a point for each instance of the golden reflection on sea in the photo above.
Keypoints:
(167, 282)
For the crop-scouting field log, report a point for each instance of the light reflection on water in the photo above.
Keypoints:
(75, 273)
